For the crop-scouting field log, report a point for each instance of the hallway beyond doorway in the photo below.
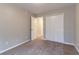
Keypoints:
(36, 27)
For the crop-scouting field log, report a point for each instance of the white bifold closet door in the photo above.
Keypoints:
(54, 28)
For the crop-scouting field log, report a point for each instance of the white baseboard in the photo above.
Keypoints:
(73, 45)
(14, 46)
(77, 48)
(64, 43)
(69, 44)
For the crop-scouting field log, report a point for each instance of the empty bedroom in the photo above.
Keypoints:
(39, 29)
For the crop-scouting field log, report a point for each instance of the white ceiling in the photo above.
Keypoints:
(38, 8)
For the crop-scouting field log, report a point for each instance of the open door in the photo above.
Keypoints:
(36, 27)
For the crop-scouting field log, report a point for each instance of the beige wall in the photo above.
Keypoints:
(14, 26)
(77, 26)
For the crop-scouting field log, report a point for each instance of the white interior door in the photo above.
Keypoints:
(55, 28)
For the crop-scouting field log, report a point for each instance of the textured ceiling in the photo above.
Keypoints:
(38, 8)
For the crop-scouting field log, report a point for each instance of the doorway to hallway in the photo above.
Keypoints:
(36, 27)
